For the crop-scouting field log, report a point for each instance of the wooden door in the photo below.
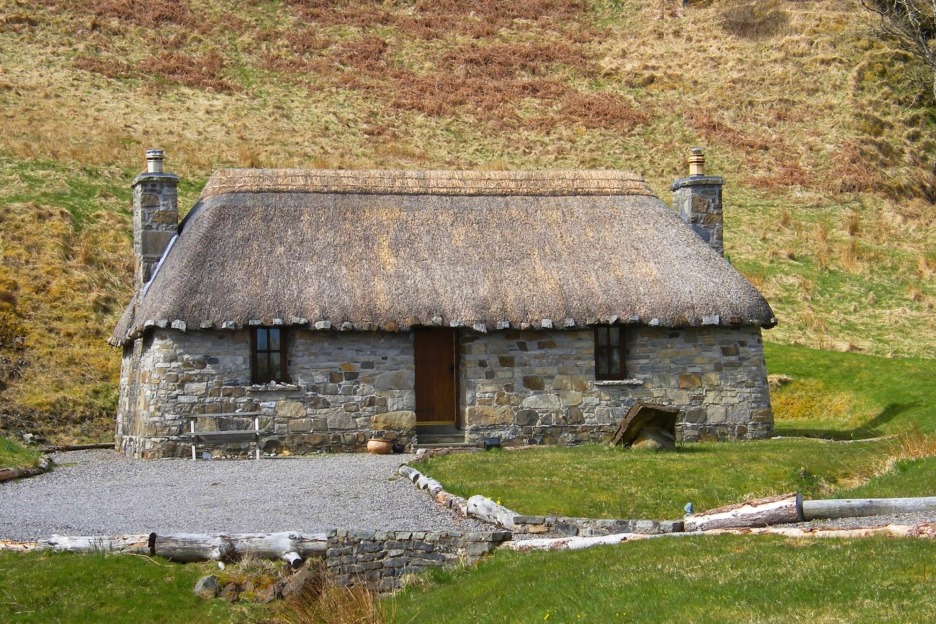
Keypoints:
(436, 359)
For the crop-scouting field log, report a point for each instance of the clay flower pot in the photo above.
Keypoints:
(379, 447)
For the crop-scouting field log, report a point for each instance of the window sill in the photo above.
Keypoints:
(619, 382)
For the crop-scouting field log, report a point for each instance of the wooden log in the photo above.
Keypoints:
(42, 466)
(231, 547)
(485, 509)
(9, 474)
(925, 530)
(136, 544)
(77, 447)
(188, 547)
(578, 543)
(410, 473)
(757, 513)
(857, 507)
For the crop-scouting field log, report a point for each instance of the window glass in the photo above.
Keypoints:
(263, 369)
(268, 355)
(274, 339)
(609, 352)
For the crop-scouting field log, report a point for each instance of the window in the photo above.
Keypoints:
(609, 352)
(268, 355)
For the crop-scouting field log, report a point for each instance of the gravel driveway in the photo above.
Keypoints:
(103, 493)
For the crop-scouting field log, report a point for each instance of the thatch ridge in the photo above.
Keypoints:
(557, 183)
(346, 260)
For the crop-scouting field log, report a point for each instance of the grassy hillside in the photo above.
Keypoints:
(826, 137)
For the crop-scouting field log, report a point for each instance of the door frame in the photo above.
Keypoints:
(436, 333)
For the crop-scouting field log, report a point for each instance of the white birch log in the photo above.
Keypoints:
(578, 543)
(410, 473)
(231, 547)
(484, 508)
(187, 547)
(857, 507)
(294, 559)
(925, 530)
(781, 509)
(136, 544)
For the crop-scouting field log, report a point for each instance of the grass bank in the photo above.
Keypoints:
(700, 580)
(61, 587)
(13, 455)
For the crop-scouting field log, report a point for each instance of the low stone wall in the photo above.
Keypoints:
(379, 559)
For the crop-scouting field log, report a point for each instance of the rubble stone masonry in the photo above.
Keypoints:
(522, 387)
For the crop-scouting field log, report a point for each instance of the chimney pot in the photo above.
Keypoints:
(697, 161)
(154, 161)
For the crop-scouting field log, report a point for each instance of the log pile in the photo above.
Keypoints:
(294, 548)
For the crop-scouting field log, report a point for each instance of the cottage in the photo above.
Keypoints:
(336, 306)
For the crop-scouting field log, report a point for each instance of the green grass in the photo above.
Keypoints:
(599, 481)
(699, 580)
(850, 395)
(891, 403)
(61, 587)
(13, 455)
(906, 478)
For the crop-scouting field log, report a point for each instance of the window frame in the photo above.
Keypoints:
(621, 347)
(268, 354)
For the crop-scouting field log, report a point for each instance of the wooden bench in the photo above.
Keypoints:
(224, 437)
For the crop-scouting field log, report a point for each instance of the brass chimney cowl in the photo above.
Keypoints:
(154, 161)
(697, 162)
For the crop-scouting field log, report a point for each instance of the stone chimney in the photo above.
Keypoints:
(698, 200)
(155, 215)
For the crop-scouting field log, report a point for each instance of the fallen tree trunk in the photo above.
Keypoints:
(185, 547)
(77, 447)
(857, 507)
(9, 474)
(578, 543)
(781, 509)
(924, 530)
(135, 544)
(484, 508)
(292, 547)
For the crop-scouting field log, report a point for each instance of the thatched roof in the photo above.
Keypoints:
(393, 249)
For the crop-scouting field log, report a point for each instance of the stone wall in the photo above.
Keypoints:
(539, 388)
(379, 559)
(346, 388)
(522, 387)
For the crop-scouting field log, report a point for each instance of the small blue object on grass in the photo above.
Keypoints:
(688, 509)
